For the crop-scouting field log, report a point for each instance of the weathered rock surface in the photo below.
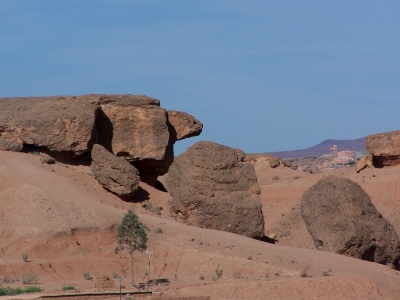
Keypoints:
(184, 125)
(60, 124)
(129, 126)
(385, 147)
(366, 161)
(114, 173)
(212, 188)
(134, 127)
(341, 218)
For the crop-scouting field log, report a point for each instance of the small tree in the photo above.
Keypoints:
(131, 236)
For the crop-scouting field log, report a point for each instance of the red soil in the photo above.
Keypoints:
(65, 221)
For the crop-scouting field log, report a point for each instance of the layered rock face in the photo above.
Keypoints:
(385, 147)
(114, 173)
(212, 188)
(133, 127)
(341, 218)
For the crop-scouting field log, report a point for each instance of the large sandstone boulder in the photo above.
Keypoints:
(212, 188)
(134, 127)
(184, 125)
(341, 218)
(385, 147)
(114, 173)
(60, 124)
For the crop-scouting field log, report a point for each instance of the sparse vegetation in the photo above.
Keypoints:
(15, 291)
(115, 275)
(218, 273)
(303, 273)
(25, 257)
(29, 278)
(201, 277)
(158, 230)
(86, 275)
(68, 287)
(237, 274)
(154, 209)
(325, 273)
(250, 258)
(32, 289)
(131, 236)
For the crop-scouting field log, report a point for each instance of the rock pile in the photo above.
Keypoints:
(341, 218)
(213, 188)
(133, 127)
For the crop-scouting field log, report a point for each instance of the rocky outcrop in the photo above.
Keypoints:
(59, 124)
(114, 173)
(212, 188)
(385, 147)
(184, 125)
(341, 218)
(272, 160)
(133, 127)
(366, 161)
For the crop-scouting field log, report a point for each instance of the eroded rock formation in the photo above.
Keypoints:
(366, 161)
(341, 218)
(133, 127)
(385, 147)
(114, 173)
(212, 188)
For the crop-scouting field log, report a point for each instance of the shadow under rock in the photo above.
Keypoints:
(267, 240)
(140, 195)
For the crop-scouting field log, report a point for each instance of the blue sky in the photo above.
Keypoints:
(261, 75)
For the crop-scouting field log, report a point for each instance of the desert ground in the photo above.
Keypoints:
(66, 222)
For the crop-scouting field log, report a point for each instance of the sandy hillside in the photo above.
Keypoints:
(65, 221)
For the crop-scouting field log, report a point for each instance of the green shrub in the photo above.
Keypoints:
(158, 230)
(6, 280)
(218, 273)
(25, 257)
(32, 289)
(10, 291)
(30, 278)
(86, 275)
(68, 287)
(303, 273)
(115, 275)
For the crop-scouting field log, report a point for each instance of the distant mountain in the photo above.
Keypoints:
(323, 148)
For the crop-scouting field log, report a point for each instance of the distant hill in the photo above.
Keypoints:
(323, 148)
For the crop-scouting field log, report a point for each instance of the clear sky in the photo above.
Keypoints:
(262, 76)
